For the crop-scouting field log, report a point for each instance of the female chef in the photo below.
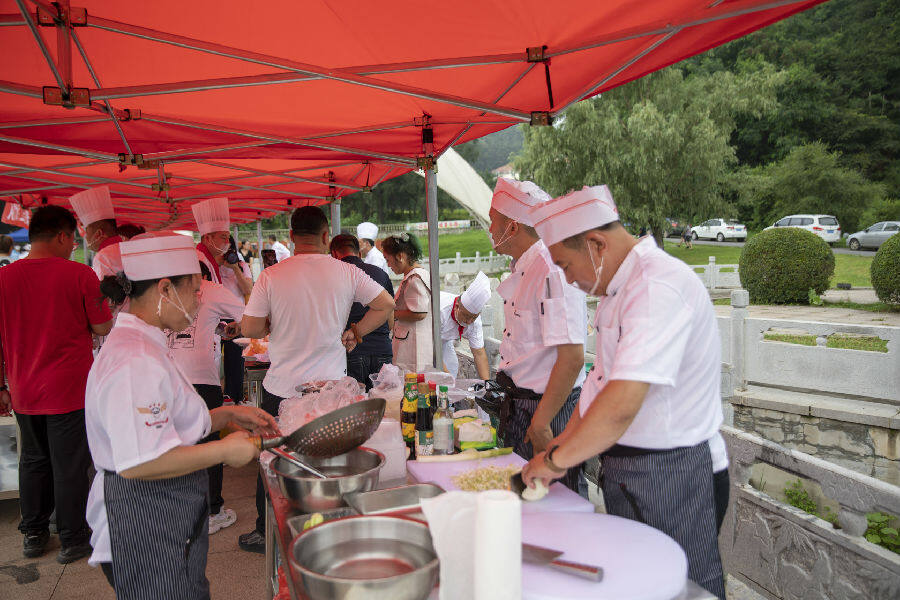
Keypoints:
(148, 503)
(413, 343)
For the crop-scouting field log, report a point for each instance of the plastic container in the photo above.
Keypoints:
(389, 441)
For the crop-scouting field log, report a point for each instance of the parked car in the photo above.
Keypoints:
(824, 226)
(873, 236)
(720, 229)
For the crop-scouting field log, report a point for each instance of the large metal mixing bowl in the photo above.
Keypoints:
(377, 557)
(355, 471)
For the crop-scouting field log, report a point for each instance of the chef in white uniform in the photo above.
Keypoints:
(650, 407)
(95, 210)
(461, 318)
(148, 507)
(542, 346)
(367, 233)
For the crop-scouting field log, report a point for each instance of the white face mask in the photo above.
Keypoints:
(597, 272)
(179, 306)
(504, 236)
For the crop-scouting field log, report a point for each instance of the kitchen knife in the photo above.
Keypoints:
(538, 555)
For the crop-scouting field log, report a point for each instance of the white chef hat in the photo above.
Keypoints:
(211, 215)
(477, 294)
(367, 231)
(157, 255)
(93, 205)
(574, 213)
(515, 198)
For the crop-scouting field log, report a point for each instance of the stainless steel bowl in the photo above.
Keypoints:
(355, 471)
(377, 557)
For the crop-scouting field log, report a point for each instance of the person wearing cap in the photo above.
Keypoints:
(49, 308)
(659, 447)
(542, 345)
(148, 502)
(375, 349)
(302, 304)
(95, 210)
(281, 251)
(461, 318)
(213, 221)
(367, 234)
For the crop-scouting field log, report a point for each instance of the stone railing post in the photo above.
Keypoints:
(498, 321)
(711, 273)
(740, 299)
(458, 262)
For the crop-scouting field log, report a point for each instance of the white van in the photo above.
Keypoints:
(824, 226)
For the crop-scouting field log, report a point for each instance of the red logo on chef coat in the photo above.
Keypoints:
(156, 414)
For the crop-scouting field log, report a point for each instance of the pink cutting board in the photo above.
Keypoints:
(560, 497)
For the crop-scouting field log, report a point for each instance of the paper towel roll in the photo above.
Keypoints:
(498, 546)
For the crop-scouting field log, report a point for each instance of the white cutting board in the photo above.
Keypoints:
(639, 562)
(560, 497)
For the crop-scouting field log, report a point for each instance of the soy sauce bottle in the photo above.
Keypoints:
(424, 428)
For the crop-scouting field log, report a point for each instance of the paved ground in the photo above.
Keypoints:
(233, 574)
(739, 244)
(818, 313)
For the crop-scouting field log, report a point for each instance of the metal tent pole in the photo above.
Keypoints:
(259, 241)
(431, 208)
(335, 217)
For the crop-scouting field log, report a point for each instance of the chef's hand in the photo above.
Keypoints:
(349, 340)
(539, 435)
(536, 469)
(253, 419)
(232, 330)
(238, 450)
(5, 403)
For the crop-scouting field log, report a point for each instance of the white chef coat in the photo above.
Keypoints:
(307, 299)
(542, 311)
(656, 324)
(197, 349)
(281, 251)
(474, 333)
(229, 279)
(108, 261)
(375, 257)
(138, 406)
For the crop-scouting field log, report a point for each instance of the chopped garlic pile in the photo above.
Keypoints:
(485, 478)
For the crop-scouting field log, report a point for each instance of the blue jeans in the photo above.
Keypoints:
(361, 366)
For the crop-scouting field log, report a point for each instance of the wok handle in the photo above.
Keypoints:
(262, 443)
(572, 568)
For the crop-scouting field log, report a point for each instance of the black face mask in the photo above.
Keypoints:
(231, 255)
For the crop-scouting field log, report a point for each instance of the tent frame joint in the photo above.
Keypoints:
(426, 163)
(130, 114)
(541, 118)
(536, 54)
(74, 16)
(54, 96)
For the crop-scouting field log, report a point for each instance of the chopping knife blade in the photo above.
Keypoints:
(538, 555)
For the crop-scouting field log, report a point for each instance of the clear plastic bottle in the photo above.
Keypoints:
(443, 424)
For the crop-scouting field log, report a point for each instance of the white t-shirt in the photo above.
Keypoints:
(655, 305)
(542, 312)
(375, 257)
(281, 251)
(307, 299)
(474, 333)
(138, 406)
(229, 279)
(197, 349)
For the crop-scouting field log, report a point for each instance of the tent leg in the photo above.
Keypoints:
(259, 241)
(85, 246)
(335, 217)
(431, 208)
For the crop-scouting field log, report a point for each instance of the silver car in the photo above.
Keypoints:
(874, 236)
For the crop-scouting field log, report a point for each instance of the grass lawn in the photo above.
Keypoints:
(849, 342)
(467, 244)
(847, 267)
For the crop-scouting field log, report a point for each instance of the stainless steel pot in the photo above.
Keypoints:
(376, 557)
(355, 471)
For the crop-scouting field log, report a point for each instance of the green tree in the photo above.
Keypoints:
(661, 143)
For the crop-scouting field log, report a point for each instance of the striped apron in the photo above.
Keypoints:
(159, 534)
(672, 491)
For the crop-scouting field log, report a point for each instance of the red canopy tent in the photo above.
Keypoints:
(278, 103)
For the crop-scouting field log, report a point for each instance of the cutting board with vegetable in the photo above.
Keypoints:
(560, 497)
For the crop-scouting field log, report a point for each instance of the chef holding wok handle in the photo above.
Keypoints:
(650, 407)
(148, 503)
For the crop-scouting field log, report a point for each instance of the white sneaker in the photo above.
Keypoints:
(225, 518)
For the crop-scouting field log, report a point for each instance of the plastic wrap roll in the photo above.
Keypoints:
(498, 546)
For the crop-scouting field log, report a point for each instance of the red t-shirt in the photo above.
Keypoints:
(46, 308)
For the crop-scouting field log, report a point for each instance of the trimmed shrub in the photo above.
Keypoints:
(885, 271)
(781, 266)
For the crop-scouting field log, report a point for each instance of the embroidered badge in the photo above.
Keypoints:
(155, 414)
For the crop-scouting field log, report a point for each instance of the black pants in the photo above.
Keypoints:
(269, 403)
(233, 365)
(54, 470)
(721, 484)
(361, 366)
(212, 395)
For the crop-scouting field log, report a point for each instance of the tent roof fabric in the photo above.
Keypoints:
(284, 103)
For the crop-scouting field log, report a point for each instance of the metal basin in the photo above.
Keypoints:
(376, 557)
(355, 471)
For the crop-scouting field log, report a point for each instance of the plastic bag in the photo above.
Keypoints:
(388, 378)
(320, 398)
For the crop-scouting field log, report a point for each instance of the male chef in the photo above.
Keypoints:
(542, 347)
(367, 233)
(461, 318)
(649, 408)
(95, 210)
